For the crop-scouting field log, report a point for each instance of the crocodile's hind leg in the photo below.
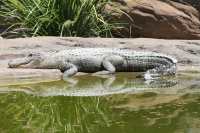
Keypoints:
(109, 63)
(70, 71)
(160, 71)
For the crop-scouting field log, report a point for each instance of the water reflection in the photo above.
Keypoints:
(20, 112)
(25, 113)
(93, 86)
(167, 106)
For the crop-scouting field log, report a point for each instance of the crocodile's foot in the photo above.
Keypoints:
(149, 76)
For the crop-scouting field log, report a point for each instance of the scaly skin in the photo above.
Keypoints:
(100, 61)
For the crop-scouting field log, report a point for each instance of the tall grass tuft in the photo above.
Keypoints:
(55, 17)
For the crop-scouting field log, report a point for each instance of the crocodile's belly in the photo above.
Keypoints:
(139, 67)
(89, 64)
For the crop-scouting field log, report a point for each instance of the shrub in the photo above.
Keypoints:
(55, 17)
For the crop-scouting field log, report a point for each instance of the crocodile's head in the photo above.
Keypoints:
(32, 60)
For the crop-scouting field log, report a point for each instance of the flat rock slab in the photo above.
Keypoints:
(16, 76)
(186, 51)
(189, 69)
(28, 76)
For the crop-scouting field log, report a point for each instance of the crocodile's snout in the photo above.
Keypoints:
(11, 64)
(18, 62)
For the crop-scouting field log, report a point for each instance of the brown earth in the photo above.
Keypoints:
(167, 19)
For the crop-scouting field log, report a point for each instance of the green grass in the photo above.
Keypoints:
(55, 17)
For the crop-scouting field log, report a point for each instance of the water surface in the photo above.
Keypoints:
(123, 103)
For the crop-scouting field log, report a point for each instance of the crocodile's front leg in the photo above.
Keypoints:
(109, 63)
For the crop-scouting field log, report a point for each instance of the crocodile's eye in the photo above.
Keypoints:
(30, 55)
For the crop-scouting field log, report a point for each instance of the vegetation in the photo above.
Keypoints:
(55, 17)
(26, 113)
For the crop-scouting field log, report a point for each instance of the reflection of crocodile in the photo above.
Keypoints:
(101, 61)
(92, 86)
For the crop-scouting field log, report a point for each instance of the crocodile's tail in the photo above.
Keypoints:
(160, 71)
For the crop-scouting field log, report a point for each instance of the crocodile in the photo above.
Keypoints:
(100, 61)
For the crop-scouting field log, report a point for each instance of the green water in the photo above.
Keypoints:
(169, 105)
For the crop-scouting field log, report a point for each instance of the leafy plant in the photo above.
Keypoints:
(55, 17)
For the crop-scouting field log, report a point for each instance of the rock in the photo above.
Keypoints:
(186, 51)
(194, 3)
(155, 19)
(27, 76)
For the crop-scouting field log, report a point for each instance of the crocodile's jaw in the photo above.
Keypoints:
(19, 62)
